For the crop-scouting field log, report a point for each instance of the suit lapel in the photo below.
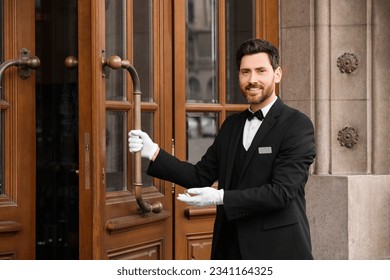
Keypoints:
(269, 121)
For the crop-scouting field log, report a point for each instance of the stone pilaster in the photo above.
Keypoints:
(335, 57)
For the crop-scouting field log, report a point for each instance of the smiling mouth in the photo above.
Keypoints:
(254, 87)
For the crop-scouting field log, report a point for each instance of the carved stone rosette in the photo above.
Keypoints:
(347, 63)
(348, 137)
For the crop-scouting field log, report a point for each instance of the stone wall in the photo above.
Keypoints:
(335, 62)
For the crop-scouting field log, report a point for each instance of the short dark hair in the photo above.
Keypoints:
(253, 46)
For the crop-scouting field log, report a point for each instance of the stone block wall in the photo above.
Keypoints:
(335, 61)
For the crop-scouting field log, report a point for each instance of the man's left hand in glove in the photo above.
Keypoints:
(205, 196)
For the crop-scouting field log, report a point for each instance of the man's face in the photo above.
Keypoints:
(257, 79)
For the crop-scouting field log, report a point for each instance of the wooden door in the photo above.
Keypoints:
(187, 92)
(17, 133)
(206, 91)
(112, 224)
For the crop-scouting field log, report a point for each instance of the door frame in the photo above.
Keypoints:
(90, 34)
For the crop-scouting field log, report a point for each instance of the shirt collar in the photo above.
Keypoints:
(266, 109)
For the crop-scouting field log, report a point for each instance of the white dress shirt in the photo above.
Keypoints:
(252, 126)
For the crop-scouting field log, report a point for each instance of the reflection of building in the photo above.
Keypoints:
(201, 56)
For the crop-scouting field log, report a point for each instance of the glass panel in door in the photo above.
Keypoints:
(57, 193)
(240, 20)
(201, 75)
(118, 113)
(201, 51)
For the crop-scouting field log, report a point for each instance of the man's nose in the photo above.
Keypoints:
(253, 77)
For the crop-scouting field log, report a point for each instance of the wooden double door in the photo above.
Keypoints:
(67, 180)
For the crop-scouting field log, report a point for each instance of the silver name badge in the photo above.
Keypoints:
(265, 150)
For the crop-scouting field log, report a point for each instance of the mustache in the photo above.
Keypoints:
(254, 85)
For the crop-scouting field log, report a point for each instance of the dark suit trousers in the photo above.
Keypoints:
(228, 245)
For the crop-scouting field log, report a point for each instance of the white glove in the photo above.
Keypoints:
(140, 141)
(202, 196)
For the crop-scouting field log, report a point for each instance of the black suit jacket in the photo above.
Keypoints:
(268, 204)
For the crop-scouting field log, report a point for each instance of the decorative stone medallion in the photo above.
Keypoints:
(348, 137)
(347, 63)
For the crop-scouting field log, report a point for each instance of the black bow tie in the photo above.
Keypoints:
(258, 114)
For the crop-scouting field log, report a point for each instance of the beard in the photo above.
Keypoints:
(258, 98)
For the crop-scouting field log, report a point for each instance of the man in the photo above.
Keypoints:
(261, 161)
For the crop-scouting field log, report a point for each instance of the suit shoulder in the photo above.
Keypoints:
(233, 118)
(294, 114)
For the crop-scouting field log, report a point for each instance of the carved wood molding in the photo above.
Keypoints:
(127, 223)
(9, 227)
(200, 213)
(8, 256)
(151, 250)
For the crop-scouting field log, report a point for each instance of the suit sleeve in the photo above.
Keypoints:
(290, 171)
(170, 168)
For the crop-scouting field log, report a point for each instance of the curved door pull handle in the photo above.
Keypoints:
(116, 62)
(25, 63)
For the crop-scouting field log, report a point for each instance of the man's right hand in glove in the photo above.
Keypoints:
(140, 141)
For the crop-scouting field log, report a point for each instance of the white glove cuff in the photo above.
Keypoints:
(151, 151)
(220, 197)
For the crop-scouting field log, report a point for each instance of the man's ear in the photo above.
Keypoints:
(278, 75)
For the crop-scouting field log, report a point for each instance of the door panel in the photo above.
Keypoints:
(17, 191)
(133, 31)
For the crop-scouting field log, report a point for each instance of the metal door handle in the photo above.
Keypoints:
(71, 62)
(25, 63)
(116, 62)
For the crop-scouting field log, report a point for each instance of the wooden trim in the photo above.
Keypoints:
(9, 90)
(179, 83)
(9, 227)
(222, 57)
(119, 105)
(98, 133)
(200, 213)
(267, 24)
(127, 223)
(223, 108)
(85, 55)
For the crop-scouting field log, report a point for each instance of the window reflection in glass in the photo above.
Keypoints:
(142, 46)
(116, 151)
(239, 27)
(201, 131)
(115, 45)
(201, 51)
